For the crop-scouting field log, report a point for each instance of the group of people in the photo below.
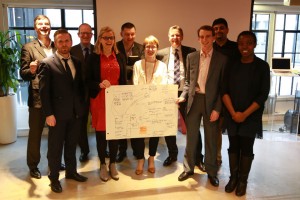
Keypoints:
(223, 83)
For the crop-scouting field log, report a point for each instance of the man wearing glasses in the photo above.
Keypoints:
(82, 51)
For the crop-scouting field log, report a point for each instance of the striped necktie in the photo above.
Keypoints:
(176, 68)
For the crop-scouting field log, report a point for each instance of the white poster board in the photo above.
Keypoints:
(139, 111)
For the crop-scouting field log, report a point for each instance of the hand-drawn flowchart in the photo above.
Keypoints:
(135, 111)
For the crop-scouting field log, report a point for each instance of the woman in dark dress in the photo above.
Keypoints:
(246, 88)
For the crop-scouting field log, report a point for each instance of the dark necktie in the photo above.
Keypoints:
(86, 54)
(67, 67)
(176, 68)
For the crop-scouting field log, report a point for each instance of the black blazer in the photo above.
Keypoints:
(94, 76)
(61, 95)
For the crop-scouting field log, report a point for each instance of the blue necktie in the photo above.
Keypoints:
(176, 68)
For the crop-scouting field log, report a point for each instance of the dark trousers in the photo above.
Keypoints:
(241, 145)
(123, 146)
(193, 121)
(36, 125)
(63, 137)
(83, 137)
(102, 144)
(139, 145)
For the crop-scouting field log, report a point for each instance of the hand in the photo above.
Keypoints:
(50, 120)
(180, 100)
(214, 116)
(104, 84)
(33, 66)
(239, 117)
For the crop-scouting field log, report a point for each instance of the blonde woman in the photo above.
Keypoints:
(148, 71)
(106, 67)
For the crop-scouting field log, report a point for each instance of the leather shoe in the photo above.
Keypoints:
(77, 177)
(184, 175)
(201, 166)
(120, 157)
(55, 186)
(83, 157)
(35, 173)
(169, 161)
(62, 167)
(214, 180)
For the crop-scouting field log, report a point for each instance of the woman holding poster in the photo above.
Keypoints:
(148, 71)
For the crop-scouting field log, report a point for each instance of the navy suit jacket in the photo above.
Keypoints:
(213, 81)
(61, 95)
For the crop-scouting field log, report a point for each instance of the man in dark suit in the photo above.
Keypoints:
(62, 96)
(203, 84)
(82, 51)
(31, 55)
(230, 49)
(167, 55)
(133, 51)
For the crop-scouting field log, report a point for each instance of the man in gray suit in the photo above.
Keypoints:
(82, 51)
(167, 55)
(202, 86)
(62, 95)
(31, 55)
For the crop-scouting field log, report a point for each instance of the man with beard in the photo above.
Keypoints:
(230, 49)
(31, 55)
(62, 96)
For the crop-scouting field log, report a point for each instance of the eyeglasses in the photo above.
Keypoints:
(150, 47)
(86, 33)
(106, 38)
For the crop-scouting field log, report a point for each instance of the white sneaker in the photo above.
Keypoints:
(103, 173)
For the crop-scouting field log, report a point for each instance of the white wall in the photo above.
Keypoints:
(156, 16)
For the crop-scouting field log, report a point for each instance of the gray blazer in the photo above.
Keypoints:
(213, 82)
(30, 52)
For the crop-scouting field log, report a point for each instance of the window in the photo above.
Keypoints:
(260, 26)
(285, 43)
(21, 20)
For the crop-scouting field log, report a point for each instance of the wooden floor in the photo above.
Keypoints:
(275, 174)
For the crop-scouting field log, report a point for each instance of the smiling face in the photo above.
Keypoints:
(107, 40)
(206, 40)
(246, 45)
(85, 34)
(221, 32)
(42, 27)
(128, 35)
(150, 50)
(175, 38)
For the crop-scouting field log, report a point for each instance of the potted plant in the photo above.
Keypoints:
(9, 63)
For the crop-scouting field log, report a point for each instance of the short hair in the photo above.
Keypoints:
(247, 33)
(98, 48)
(128, 25)
(176, 27)
(220, 21)
(206, 28)
(62, 31)
(151, 39)
(83, 25)
(39, 17)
